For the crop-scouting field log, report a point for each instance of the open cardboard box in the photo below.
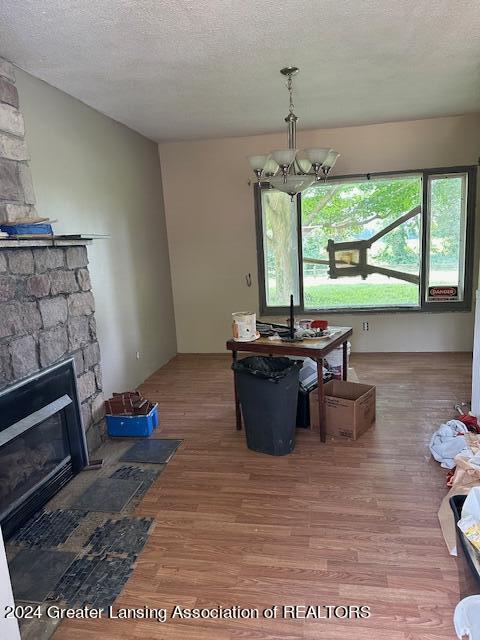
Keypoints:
(349, 408)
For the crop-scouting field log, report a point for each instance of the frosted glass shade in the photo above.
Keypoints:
(293, 185)
(304, 163)
(317, 155)
(258, 162)
(284, 157)
(331, 158)
(271, 167)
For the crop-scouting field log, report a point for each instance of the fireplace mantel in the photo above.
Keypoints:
(55, 241)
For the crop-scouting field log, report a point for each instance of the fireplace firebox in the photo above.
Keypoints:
(42, 442)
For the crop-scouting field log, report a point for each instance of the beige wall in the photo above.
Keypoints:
(97, 176)
(211, 230)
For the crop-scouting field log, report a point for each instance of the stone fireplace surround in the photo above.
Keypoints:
(47, 313)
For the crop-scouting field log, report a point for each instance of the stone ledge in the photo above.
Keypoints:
(44, 242)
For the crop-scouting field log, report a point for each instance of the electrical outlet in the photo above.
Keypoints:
(365, 326)
(137, 355)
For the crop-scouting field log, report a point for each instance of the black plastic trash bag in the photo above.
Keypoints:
(269, 410)
(266, 367)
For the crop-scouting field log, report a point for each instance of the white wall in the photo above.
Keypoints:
(97, 176)
(8, 626)
(211, 229)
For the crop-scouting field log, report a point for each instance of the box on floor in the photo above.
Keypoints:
(349, 408)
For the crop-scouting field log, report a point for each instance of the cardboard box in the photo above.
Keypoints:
(349, 408)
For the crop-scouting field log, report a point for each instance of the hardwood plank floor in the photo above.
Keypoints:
(334, 524)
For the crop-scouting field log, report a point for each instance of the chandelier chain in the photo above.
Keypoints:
(290, 91)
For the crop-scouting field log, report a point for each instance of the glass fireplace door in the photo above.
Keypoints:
(30, 459)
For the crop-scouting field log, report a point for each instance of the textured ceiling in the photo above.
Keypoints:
(179, 69)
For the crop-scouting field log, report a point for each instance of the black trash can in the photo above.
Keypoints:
(268, 393)
(468, 560)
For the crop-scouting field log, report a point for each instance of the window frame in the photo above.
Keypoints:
(424, 306)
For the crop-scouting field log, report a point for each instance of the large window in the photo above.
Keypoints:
(377, 242)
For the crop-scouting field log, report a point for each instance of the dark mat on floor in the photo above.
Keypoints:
(48, 529)
(146, 476)
(154, 451)
(35, 574)
(107, 495)
(93, 580)
(125, 536)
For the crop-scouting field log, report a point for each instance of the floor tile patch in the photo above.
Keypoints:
(35, 574)
(48, 529)
(153, 451)
(146, 476)
(124, 536)
(108, 495)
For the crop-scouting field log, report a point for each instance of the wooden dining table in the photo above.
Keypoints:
(317, 349)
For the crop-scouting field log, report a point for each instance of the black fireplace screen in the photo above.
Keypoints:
(42, 444)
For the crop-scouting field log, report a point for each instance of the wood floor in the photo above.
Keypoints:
(333, 524)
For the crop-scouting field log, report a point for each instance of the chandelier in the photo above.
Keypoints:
(291, 170)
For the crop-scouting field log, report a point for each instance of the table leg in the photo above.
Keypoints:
(345, 360)
(321, 402)
(238, 413)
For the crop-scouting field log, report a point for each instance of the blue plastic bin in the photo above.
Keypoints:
(132, 426)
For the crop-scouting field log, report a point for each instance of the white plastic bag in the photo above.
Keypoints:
(471, 506)
(467, 618)
(470, 520)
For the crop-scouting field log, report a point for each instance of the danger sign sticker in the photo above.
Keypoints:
(442, 293)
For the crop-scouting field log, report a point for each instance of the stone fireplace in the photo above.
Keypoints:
(46, 316)
(72, 536)
(47, 310)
